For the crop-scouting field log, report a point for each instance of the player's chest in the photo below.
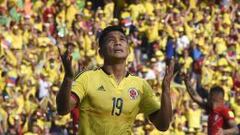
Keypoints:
(215, 120)
(114, 99)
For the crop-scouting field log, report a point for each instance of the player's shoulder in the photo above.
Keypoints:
(134, 77)
(225, 108)
(227, 112)
(87, 71)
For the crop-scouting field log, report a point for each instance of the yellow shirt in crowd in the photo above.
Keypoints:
(136, 10)
(194, 118)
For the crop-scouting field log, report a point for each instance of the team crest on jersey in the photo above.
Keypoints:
(133, 93)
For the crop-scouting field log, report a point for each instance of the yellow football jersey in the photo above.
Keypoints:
(194, 118)
(108, 108)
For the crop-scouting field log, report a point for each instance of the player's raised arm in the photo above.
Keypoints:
(192, 92)
(162, 118)
(65, 102)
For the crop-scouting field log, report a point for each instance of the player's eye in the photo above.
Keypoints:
(123, 39)
(110, 40)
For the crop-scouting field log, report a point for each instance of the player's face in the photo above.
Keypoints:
(115, 46)
(214, 97)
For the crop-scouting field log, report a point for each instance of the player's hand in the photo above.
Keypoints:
(169, 71)
(67, 60)
(220, 131)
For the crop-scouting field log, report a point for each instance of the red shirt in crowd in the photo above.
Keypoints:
(218, 118)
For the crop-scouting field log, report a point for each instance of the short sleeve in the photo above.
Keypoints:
(79, 86)
(227, 114)
(149, 102)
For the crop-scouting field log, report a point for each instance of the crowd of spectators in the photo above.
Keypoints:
(204, 36)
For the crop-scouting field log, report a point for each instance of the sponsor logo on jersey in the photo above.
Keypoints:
(101, 88)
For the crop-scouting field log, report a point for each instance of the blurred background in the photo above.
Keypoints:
(202, 35)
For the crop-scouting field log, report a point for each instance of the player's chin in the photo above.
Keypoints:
(120, 56)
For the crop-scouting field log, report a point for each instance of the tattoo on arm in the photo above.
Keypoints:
(194, 95)
(191, 90)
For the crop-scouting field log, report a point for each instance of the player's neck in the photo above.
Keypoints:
(118, 70)
(217, 104)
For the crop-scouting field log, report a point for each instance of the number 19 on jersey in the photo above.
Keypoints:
(117, 106)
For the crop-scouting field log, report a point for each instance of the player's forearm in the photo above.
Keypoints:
(193, 93)
(63, 96)
(231, 131)
(166, 105)
(190, 90)
(162, 118)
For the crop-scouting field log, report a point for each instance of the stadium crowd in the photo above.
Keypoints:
(204, 36)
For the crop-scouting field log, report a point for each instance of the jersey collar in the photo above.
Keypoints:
(127, 74)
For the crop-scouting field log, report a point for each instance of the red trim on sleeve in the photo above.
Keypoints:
(226, 114)
(75, 97)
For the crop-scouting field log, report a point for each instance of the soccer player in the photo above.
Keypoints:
(220, 118)
(109, 98)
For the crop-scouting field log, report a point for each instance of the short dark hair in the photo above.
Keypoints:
(217, 90)
(108, 30)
